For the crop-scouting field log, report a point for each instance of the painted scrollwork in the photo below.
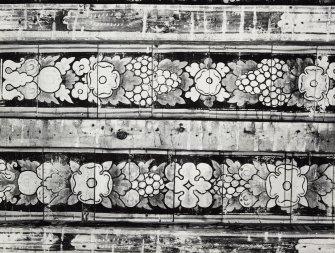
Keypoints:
(231, 186)
(145, 80)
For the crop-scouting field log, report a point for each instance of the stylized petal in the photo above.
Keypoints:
(314, 84)
(205, 199)
(331, 70)
(131, 198)
(208, 82)
(81, 67)
(80, 91)
(331, 96)
(222, 95)
(193, 69)
(91, 183)
(28, 182)
(49, 79)
(193, 94)
(223, 69)
(103, 79)
(188, 199)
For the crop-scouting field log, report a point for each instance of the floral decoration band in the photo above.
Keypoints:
(230, 186)
(146, 80)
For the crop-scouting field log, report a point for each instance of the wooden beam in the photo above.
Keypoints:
(122, 22)
(156, 113)
(163, 239)
(168, 134)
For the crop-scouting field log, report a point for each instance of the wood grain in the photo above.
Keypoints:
(157, 113)
(164, 239)
(168, 135)
(122, 22)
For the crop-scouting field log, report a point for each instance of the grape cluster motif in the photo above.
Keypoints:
(261, 81)
(165, 81)
(148, 184)
(274, 96)
(154, 81)
(230, 185)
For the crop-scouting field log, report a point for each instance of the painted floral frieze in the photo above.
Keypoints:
(151, 185)
(145, 81)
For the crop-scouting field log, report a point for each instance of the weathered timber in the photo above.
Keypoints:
(168, 134)
(157, 113)
(284, 239)
(121, 22)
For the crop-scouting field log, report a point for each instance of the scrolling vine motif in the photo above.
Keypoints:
(149, 185)
(144, 80)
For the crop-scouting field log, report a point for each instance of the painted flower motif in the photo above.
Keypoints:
(331, 70)
(208, 81)
(31, 67)
(91, 183)
(191, 186)
(80, 90)
(286, 185)
(49, 79)
(81, 67)
(8, 185)
(331, 96)
(148, 184)
(103, 79)
(49, 181)
(314, 83)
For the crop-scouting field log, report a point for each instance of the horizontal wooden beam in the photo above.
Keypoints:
(168, 134)
(167, 219)
(203, 23)
(155, 113)
(163, 239)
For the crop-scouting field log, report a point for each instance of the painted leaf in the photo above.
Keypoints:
(144, 204)
(116, 201)
(27, 200)
(241, 98)
(28, 165)
(314, 200)
(117, 97)
(130, 170)
(72, 200)
(119, 64)
(121, 185)
(129, 80)
(70, 79)
(233, 204)
(172, 66)
(322, 185)
(233, 167)
(262, 169)
(241, 67)
(157, 200)
(64, 64)
(262, 201)
(48, 60)
(257, 185)
(63, 94)
(47, 98)
(106, 202)
(61, 198)
(229, 82)
(217, 199)
(218, 169)
(186, 81)
(172, 98)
